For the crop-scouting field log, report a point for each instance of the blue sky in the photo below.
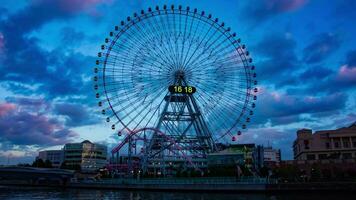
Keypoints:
(304, 52)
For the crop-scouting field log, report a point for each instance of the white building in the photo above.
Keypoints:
(89, 156)
(271, 156)
(55, 156)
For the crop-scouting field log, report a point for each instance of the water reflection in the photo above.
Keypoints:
(25, 193)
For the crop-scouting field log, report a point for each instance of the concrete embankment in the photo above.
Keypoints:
(175, 187)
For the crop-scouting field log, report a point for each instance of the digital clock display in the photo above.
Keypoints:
(182, 89)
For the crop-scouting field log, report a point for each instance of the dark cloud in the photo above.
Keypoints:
(315, 72)
(277, 138)
(323, 46)
(351, 58)
(75, 114)
(279, 108)
(55, 73)
(344, 9)
(317, 79)
(345, 121)
(262, 10)
(20, 127)
(277, 62)
(37, 105)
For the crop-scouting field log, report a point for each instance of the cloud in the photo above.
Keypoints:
(344, 10)
(315, 73)
(31, 104)
(5, 108)
(280, 108)
(20, 127)
(347, 74)
(71, 36)
(2, 45)
(262, 10)
(323, 46)
(75, 114)
(62, 72)
(275, 61)
(351, 58)
(275, 137)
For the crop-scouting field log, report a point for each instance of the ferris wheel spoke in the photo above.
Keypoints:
(143, 31)
(139, 105)
(210, 27)
(164, 40)
(192, 42)
(170, 59)
(172, 49)
(216, 30)
(226, 62)
(213, 49)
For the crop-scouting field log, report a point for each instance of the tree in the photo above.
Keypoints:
(48, 164)
(264, 171)
(75, 167)
(38, 163)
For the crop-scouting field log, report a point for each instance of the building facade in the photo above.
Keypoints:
(326, 144)
(55, 156)
(238, 154)
(271, 156)
(86, 155)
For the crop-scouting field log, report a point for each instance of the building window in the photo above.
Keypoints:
(327, 145)
(335, 156)
(323, 156)
(306, 144)
(346, 144)
(354, 144)
(336, 144)
(346, 155)
(310, 157)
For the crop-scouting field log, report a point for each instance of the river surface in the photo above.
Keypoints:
(27, 193)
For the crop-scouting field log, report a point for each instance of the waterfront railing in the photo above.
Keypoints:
(205, 180)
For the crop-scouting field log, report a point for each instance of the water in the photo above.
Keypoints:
(26, 193)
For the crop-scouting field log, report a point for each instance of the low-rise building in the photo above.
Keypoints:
(271, 157)
(86, 155)
(325, 144)
(55, 156)
(238, 154)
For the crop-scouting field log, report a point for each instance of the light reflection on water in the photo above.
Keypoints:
(25, 193)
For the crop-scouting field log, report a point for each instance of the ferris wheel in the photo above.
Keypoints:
(177, 79)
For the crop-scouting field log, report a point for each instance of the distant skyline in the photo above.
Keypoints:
(304, 52)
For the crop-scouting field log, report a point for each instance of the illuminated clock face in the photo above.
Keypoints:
(182, 89)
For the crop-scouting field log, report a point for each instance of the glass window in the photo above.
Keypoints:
(327, 145)
(336, 144)
(323, 156)
(346, 144)
(310, 157)
(346, 155)
(306, 144)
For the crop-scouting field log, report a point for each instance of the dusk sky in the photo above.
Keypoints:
(304, 52)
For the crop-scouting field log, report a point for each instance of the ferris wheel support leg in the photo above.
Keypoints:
(158, 126)
(129, 162)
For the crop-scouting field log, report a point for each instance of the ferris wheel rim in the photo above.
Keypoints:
(221, 29)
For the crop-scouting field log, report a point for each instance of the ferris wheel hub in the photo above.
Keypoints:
(179, 74)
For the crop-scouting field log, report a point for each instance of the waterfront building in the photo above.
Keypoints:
(271, 157)
(55, 156)
(238, 154)
(86, 155)
(326, 144)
